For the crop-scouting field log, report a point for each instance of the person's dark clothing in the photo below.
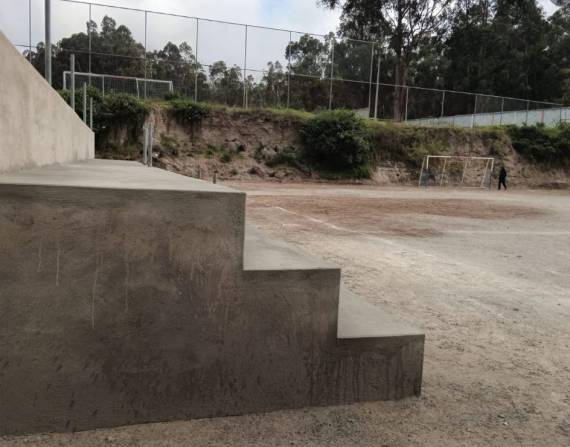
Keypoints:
(503, 178)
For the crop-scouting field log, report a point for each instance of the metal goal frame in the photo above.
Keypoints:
(140, 83)
(488, 172)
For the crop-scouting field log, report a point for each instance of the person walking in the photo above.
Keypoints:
(503, 178)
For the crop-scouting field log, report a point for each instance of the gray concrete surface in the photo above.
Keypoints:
(124, 300)
(37, 127)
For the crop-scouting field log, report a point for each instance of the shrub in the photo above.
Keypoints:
(226, 156)
(120, 111)
(337, 141)
(187, 112)
(112, 112)
(542, 145)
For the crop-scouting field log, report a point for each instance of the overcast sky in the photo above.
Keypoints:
(216, 41)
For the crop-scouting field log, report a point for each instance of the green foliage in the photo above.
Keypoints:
(123, 110)
(538, 144)
(337, 141)
(226, 156)
(111, 113)
(285, 156)
(187, 112)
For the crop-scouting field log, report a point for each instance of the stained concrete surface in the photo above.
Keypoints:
(124, 300)
(38, 128)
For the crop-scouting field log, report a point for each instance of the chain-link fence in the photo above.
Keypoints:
(252, 66)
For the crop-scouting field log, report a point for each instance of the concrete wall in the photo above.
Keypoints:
(125, 299)
(548, 117)
(37, 127)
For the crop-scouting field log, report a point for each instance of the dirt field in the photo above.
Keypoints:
(485, 274)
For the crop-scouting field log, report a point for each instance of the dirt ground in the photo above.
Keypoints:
(486, 275)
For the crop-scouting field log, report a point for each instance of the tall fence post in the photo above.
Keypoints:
(72, 63)
(145, 46)
(289, 70)
(406, 109)
(30, 30)
(245, 71)
(442, 103)
(48, 40)
(332, 75)
(502, 111)
(370, 82)
(84, 91)
(145, 144)
(474, 112)
(91, 113)
(197, 64)
(90, 43)
(377, 82)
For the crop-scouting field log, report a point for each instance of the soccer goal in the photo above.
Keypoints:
(447, 170)
(139, 87)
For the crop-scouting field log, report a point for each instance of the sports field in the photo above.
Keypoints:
(485, 274)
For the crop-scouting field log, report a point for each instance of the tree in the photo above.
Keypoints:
(405, 25)
(502, 47)
(559, 52)
(310, 57)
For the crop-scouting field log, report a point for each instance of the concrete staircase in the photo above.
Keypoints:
(131, 295)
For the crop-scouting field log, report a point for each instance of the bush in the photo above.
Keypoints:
(538, 144)
(187, 112)
(120, 111)
(92, 93)
(337, 141)
(112, 112)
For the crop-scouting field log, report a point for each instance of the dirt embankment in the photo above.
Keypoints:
(266, 145)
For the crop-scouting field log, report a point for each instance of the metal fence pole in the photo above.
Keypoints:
(145, 46)
(145, 144)
(502, 111)
(150, 139)
(245, 71)
(84, 102)
(90, 43)
(377, 82)
(289, 70)
(442, 104)
(474, 112)
(370, 82)
(332, 74)
(72, 97)
(30, 29)
(91, 113)
(197, 65)
(406, 111)
(48, 41)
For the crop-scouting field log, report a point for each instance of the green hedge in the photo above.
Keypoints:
(188, 112)
(112, 112)
(546, 146)
(337, 141)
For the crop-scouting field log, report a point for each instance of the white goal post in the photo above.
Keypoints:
(450, 170)
(139, 87)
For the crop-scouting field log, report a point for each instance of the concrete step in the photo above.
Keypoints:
(134, 295)
(264, 254)
(360, 319)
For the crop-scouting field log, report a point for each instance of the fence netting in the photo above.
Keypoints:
(153, 55)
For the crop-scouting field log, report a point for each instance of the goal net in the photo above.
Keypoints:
(455, 171)
(139, 87)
